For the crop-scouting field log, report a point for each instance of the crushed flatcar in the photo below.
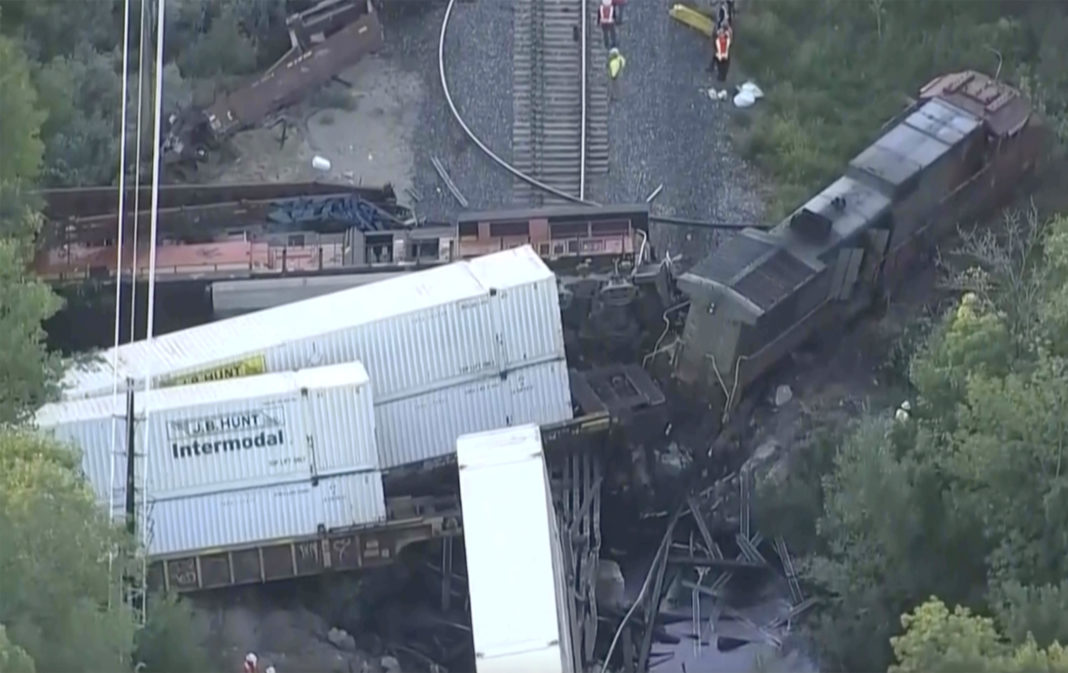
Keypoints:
(958, 151)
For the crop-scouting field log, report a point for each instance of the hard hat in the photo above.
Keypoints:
(270, 669)
(606, 2)
(614, 51)
(250, 658)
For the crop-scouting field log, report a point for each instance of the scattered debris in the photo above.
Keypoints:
(325, 39)
(444, 175)
(341, 639)
(693, 18)
(783, 395)
(655, 193)
(610, 585)
(321, 164)
(903, 412)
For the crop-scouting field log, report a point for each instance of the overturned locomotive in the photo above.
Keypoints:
(959, 150)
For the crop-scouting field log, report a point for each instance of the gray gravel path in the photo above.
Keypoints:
(478, 53)
(662, 127)
(665, 129)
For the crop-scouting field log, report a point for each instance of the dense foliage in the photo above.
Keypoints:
(72, 49)
(59, 608)
(836, 70)
(967, 500)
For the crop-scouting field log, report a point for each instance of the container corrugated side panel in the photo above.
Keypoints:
(342, 425)
(92, 439)
(545, 660)
(420, 428)
(507, 536)
(527, 304)
(264, 514)
(539, 394)
(410, 354)
(227, 341)
(530, 322)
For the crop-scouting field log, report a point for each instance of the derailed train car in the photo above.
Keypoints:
(960, 150)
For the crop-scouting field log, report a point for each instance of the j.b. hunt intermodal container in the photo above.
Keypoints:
(226, 435)
(414, 333)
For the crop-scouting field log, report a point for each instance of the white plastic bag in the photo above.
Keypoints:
(744, 99)
(753, 89)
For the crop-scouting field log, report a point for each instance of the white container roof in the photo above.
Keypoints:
(200, 394)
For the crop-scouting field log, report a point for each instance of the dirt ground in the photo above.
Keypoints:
(363, 130)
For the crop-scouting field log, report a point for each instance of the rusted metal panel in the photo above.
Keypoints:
(61, 204)
(1004, 110)
(290, 82)
(210, 260)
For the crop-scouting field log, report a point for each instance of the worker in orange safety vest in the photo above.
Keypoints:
(721, 60)
(606, 18)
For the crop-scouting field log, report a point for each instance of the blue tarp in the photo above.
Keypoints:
(348, 209)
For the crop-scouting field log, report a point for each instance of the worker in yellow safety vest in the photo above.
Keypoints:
(722, 57)
(606, 18)
(615, 62)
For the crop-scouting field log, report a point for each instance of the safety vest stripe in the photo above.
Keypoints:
(606, 14)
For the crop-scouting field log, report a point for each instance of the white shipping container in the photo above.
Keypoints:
(420, 428)
(524, 302)
(508, 521)
(269, 513)
(414, 333)
(227, 435)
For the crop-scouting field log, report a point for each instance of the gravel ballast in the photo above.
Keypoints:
(478, 58)
(663, 127)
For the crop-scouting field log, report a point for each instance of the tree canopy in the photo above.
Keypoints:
(59, 602)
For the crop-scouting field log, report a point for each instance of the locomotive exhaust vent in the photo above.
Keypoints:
(810, 224)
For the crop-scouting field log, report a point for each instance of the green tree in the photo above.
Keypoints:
(20, 120)
(172, 640)
(967, 499)
(13, 659)
(53, 569)
(890, 540)
(81, 93)
(25, 303)
(29, 371)
(939, 641)
(51, 28)
(1040, 612)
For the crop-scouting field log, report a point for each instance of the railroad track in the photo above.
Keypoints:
(560, 104)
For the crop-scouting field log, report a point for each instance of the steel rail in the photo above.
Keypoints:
(478, 141)
(583, 11)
